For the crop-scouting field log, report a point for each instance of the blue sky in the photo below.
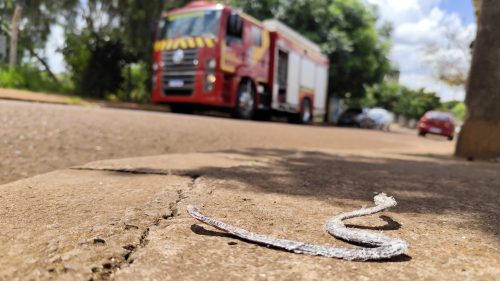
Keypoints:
(417, 24)
(464, 8)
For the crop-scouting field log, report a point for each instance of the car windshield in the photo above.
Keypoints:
(204, 23)
(438, 116)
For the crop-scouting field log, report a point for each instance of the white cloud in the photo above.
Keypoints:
(422, 36)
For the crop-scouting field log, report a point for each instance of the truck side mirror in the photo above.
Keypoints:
(234, 25)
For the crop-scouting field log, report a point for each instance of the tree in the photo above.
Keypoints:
(456, 107)
(401, 100)
(480, 134)
(265, 9)
(14, 35)
(413, 104)
(385, 95)
(450, 56)
(96, 63)
(130, 21)
(127, 25)
(35, 23)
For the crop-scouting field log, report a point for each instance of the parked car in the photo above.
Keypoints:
(437, 123)
(366, 118)
(381, 118)
(349, 118)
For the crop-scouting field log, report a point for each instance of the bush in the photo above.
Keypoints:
(459, 111)
(30, 77)
(413, 104)
(458, 108)
(96, 63)
(134, 87)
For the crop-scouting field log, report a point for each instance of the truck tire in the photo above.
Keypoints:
(245, 101)
(305, 115)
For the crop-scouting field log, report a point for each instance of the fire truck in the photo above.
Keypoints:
(213, 55)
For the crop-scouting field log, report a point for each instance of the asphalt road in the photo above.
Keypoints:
(38, 138)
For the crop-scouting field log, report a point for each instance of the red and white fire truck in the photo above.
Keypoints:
(210, 54)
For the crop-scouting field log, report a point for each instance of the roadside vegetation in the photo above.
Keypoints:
(107, 48)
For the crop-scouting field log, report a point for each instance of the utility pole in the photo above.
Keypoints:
(14, 35)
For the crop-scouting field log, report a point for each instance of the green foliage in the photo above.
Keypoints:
(138, 81)
(96, 64)
(413, 104)
(98, 52)
(30, 77)
(37, 19)
(385, 95)
(459, 110)
(77, 56)
(134, 85)
(401, 100)
(259, 9)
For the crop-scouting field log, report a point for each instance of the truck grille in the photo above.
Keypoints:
(179, 78)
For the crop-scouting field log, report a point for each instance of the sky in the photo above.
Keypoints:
(417, 24)
(421, 23)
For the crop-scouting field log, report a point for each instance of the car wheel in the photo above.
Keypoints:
(366, 123)
(245, 101)
(422, 134)
(450, 138)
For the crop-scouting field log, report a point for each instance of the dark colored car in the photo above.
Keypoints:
(437, 123)
(350, 117)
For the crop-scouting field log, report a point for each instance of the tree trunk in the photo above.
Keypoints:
(14, 33)
(480, 135)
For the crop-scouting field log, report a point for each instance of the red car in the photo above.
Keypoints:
(437, 123)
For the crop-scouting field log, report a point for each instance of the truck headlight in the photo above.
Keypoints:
(210, 80)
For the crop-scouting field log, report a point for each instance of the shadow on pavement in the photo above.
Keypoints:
(426, 187)
(390, 225)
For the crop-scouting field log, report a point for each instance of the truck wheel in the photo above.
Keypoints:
(304, 116)
(306, 112)
(245, 102)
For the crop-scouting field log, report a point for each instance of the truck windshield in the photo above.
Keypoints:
(205, 23)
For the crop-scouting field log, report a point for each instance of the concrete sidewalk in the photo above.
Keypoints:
(23, 95)
(126, 220)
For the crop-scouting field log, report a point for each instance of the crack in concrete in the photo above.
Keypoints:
(142, 171)
(139, 171)
(115, 263)
(107, 269)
